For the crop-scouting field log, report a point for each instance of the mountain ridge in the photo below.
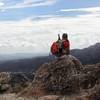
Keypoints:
(90, 55)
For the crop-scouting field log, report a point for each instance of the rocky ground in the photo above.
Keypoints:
(14, 97)
(48, 97)
(63, 79)
(14, 82)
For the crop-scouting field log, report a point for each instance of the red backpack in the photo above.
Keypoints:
(54, 48)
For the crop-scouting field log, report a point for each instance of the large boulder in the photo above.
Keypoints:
(58, 77)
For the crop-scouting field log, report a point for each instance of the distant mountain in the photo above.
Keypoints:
(90, 55)
(16, 56)
(23, 65)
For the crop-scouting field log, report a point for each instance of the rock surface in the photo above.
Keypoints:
(62, 79)
(64, 76)
(50, 97)
(14, 82)
(58, 77)
(14, 97)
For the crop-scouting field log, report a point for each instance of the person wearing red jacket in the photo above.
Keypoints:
(61, 46)
(65, 44)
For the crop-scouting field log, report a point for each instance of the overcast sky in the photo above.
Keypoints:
(32, 25)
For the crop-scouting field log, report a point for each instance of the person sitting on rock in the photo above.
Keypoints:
(65, 44)
(56, 47)
(61, 46)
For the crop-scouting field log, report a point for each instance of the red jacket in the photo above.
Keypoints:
(65, 47)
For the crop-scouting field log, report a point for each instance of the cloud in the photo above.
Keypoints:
(30, 3)
(1, 4)
(89, 10)
(41, 17)
(36, 36)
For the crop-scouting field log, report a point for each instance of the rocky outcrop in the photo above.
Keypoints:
(14, 82)
(63, 79)
(58, 77)
(65, 76)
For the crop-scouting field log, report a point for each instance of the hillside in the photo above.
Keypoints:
(90, 55)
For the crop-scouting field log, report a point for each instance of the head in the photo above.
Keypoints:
(64, 36)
